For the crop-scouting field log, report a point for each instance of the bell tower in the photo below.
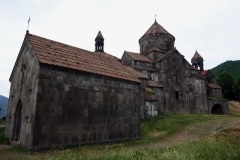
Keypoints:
(99, 42)
(197, 61)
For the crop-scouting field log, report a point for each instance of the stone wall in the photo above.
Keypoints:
(129, 61)
(24, 88)
(221, 102)
(76, 108)
(155, 55)
(143, 64)
(163, 42)
(175, 74)
(214, 92)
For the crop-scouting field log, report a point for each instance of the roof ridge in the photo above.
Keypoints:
(138, 57)
(55, 53)
(59, 42)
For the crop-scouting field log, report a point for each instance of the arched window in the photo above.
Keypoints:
(17, 122)
(176, 79)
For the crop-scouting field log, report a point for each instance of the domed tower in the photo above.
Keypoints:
(197, 61)
(99, 42)
(156, 37)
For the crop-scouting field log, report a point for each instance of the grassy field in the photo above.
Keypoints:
(2, 122)
(223, 145)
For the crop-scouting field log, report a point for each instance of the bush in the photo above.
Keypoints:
(4, 118)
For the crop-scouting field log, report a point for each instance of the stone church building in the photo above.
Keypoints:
(64, 95)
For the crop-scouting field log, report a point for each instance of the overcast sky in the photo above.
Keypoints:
(210, 26)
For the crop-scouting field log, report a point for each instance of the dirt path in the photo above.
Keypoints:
(197, 131)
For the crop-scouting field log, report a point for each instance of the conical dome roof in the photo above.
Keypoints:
(196, 56)
(156, 29)
(99, 35)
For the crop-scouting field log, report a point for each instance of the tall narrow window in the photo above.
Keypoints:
(177, 94)
(176, 79)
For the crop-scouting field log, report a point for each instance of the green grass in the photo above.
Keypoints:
(2, 122)
(206, 149)
(216, 147)
(164, 124)
(3, 140)
(224, 145)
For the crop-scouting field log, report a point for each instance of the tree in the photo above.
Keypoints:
(225, 80)
(236, 89)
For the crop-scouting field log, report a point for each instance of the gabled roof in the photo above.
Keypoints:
(150, 97)
(204, 72)
(136, 73)
(138, 57)
(196, 56)
(154, 49)
(62, 55)
(214, 86)
(155, 84)
(156, 29)
(166, 55)
(207, 71)
(99, 35)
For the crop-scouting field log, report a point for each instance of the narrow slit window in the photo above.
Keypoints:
(177, 94)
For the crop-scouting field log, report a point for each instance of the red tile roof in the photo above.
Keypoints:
(155, 84)
(214, 86)
(58, 54)
(204, 72)
(150, 97)
(136, 73)
(196, 56)
(138, 57)
(156, 29)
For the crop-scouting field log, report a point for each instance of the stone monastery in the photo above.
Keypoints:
(62, 95)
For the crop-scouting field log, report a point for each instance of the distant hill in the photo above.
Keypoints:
(3, 105)
(232, 67)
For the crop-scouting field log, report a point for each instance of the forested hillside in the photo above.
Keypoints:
(232, 67)
(3, 106)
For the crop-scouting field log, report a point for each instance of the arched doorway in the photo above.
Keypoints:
(191, 99)
(17, 121)
(217, 109)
